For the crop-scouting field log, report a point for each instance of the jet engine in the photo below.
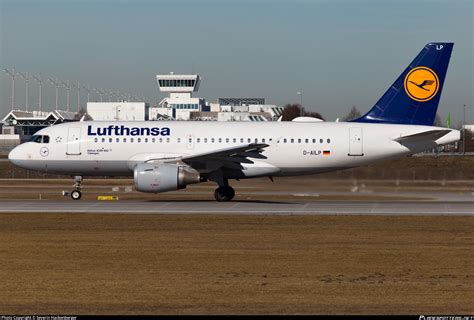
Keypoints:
(163, 177)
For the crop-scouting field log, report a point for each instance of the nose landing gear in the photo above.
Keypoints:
(76, 194)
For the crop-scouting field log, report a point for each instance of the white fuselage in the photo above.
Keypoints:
(295, 148)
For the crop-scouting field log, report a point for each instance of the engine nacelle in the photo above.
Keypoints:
(163, 177)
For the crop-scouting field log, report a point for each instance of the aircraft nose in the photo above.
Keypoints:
(17, 155)
(13, 156)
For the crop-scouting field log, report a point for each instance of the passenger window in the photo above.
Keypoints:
(96, 140)
(306, 140)
(139, 139)
(146, 140)
(198, 140)
(314, 140)
(292, 140)
(234, 140)
(320, 140)
(241, 140)
(103, 139)
(179, 140)
(212, 140)
(220, 140)
(118, 140)
(256, 140)
(205, 140)
(110, 140)
(161, 140)
(263, 140)
(284, 140)
(299, 140)
(329, 140)
(131, 140)
(167, 140)
(249, 140)
(124, 139)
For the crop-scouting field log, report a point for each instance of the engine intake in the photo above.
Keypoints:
(163, 177)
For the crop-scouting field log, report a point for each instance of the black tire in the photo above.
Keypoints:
(224, 193)
(76, 195)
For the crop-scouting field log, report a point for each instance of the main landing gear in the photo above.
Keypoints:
(224, 193)
(76, 193)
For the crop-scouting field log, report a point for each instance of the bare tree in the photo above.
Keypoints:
(353, 114)
(293, 110)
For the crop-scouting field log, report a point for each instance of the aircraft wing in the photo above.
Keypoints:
(431, 135)
(231, 158)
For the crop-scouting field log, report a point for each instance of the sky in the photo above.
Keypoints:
(337, 53)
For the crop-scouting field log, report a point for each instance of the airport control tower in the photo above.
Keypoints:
(180, 88)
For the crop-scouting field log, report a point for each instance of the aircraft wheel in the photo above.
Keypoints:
(225, 193)
(76, 195)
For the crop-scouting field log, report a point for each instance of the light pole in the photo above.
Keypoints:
(66, 85)
(88, 89)
(12, 75)
(78, 87)
(463, 129)
(25, 77)
(100, 92)
(38, 79)
(97, 92)
(111, 95)
(300, 93)
(55, 83)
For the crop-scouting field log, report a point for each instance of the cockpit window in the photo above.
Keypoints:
(36, 139)
(39, 139)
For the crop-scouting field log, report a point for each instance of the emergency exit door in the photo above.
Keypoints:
(355, 142)
(73, 141)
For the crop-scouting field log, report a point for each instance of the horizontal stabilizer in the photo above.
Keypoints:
(431, 135)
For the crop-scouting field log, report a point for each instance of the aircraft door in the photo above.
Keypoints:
(355, 142)
(73, 141)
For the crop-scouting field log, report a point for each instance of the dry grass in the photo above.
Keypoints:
(159, 264)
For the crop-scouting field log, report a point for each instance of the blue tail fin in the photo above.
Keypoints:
(413, 98)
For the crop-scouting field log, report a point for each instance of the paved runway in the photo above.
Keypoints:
(241, 207)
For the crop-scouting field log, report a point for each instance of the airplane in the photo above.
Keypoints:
(169, 155)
